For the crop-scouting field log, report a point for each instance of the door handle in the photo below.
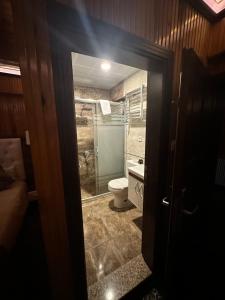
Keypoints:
(165, 201)
(187, 212)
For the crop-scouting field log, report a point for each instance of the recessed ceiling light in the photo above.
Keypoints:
(105, 65)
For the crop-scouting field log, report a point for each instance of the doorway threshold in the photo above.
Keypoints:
(120, 282)
(92, 198)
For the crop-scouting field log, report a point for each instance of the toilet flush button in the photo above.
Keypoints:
(140, 139)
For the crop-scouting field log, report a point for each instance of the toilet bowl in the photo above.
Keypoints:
(119, 188)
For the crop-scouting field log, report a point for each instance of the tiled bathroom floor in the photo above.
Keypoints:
(112, 238)
(88, 191)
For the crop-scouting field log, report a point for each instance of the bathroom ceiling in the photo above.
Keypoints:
(87, 72)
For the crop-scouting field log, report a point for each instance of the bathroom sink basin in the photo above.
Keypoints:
(131, 163)
(137, 170)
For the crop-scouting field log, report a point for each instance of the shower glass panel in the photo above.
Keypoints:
(109, 145)
(86, 151)
(100, 140)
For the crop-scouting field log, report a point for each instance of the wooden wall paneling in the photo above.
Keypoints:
(183, 27)
(8, 50)
(171, 33)
(189, 26)
(195, 36)
(193, 19)
(12, 115)
(146, 18)
(10, 84)
(150, 19)
(176, 51)
(135, 21)
(38, 90)
(205, 37)
(200, 31)
(216, 38)
(156, 16)
(160, 22)
(166, 23)
(200, 35)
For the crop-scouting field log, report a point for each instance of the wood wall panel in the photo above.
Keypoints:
(8, 49)
(217, 38)
(12, 115)
(34, 54)
(173, 24)
(12, 107)
(10, 84)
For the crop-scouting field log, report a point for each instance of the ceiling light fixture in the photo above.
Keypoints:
(216, 6)
(9, 69)
(105, 65)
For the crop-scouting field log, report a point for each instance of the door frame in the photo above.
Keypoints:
(70, 31)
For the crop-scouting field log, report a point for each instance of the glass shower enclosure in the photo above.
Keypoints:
(100, 141)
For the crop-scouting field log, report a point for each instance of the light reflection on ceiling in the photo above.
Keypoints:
(216, 5)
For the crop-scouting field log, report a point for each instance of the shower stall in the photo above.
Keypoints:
(100, 141)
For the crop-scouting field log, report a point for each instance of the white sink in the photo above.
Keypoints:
(137, 170)
(131, 163)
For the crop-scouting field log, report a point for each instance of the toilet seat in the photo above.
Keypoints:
(118, 184)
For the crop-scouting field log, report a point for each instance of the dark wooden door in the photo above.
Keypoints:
(194, 174)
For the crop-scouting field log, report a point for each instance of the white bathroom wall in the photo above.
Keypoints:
(135, 133)
(135, 81)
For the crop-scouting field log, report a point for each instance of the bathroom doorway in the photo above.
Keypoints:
(106, 140)
(110, 102)
(71, 35)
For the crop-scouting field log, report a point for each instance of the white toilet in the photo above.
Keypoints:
(119, 188)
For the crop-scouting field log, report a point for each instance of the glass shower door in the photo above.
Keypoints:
(109, 146)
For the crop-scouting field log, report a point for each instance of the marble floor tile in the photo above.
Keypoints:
(90, 269)
(87, 214)
(112, 238)
(105, 258)
(118, 225)
(88, 190)
(95, 233)
(129, 245)
(102, 208)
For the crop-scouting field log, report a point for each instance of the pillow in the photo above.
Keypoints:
(11, 172)
(5, 180)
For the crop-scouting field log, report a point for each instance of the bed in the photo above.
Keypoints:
(13, 200)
